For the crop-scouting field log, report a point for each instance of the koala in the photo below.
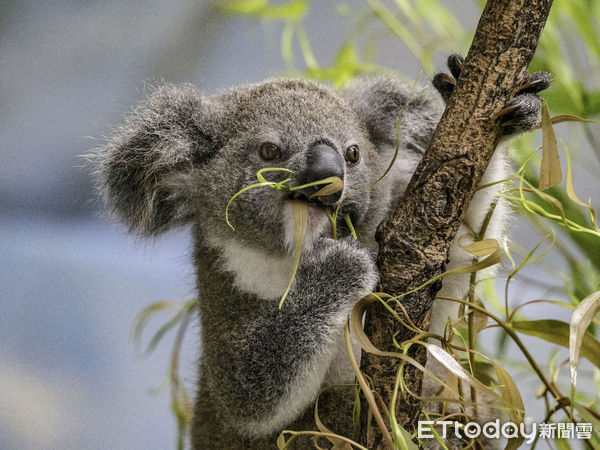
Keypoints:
(181, 156)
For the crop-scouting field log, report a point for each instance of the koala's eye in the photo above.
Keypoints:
(269, 151)
(352, 154)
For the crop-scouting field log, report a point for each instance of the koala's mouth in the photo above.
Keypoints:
(326, 210)
(326, 202)
(325, 197)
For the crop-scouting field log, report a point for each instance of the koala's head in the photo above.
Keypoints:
(181, 156)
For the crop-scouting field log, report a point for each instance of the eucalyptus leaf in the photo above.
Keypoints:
(300, 210)
(550, 171)
(588, 417)
(454, 366)
(512, 398)
(558, 332)
(580, 321)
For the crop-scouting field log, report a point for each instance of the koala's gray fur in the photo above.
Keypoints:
(181, 156)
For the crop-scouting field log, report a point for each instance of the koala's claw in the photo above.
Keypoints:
(446, 83)
(535, 82)
(520, 114)
(455, 64)
(508, 109)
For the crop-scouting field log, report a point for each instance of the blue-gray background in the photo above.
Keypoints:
(71, 283)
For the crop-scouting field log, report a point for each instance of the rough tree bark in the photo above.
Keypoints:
(415, 240)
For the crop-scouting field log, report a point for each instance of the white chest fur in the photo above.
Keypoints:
(255, 271)
(261, 273)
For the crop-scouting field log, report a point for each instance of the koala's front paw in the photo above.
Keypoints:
(520, 114)
(347, 265)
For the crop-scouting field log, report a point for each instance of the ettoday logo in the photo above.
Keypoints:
(494, 430)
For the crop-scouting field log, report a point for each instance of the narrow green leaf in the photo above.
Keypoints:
(583, 17)
(569, 183)
(402, 437)
(443, 22)
(281, 441)
(512, 397)
(403, 32)
(587, 417)
(163, 330)
(262, 179)
(287, 45)
(571, 118)
(148, 312)
(366, 389)
(484, 247)
(350, 226)
(300, 210)
(262, 182)
(240, 192)
(571, 190)
(550, 171)
(307, 54)
(454, 366)
(291, 10)
(557, 332)
(332, 185)
(580, 321)
(242, 6)
(561, 444)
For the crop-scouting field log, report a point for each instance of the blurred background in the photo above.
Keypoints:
(72, 282)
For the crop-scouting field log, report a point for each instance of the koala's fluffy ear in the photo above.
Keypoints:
(379, 101)
(141, 171)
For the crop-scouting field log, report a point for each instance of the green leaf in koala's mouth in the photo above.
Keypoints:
(350, 226)
(262, 181)
(332, 185)
(300, 212)
(280, 185)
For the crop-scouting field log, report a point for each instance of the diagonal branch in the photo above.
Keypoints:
(415, 241)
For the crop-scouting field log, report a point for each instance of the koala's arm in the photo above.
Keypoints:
(264, 366)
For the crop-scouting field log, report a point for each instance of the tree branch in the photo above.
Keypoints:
(416, 239)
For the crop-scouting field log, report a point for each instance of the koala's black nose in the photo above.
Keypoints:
(322, 161)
